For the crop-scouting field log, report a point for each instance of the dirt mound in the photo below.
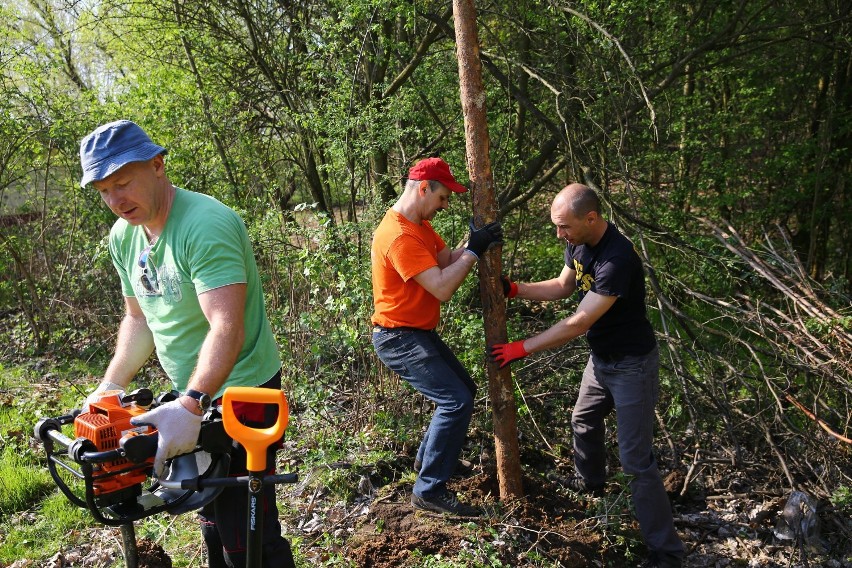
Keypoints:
(395, 534)
(152, 555)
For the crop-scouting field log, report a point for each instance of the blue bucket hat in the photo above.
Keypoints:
(113, 145)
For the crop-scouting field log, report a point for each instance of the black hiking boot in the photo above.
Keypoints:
(659, 559)
(577, 484)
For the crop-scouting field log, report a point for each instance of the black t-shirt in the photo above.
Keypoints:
(613, 268)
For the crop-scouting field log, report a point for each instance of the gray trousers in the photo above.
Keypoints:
(631, 387)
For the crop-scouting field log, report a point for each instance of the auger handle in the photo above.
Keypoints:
(254, 440)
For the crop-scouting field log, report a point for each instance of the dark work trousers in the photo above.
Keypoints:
(224, 522)
(630, 386)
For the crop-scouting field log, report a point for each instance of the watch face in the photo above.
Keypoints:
(204, 400)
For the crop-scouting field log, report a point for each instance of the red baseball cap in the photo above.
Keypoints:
(435, 169)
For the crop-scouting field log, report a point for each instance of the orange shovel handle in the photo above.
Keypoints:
(254, 440)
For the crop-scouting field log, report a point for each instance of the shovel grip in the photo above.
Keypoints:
(254, 440)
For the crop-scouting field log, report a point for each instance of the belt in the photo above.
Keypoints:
(381, 329)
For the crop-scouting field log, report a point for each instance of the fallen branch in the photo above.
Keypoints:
(815, 418)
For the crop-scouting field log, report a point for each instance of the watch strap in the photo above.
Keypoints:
(202, 397)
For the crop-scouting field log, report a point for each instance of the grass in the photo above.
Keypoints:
(22, 483)
(40, 531)
(177, 534)
(37, 521)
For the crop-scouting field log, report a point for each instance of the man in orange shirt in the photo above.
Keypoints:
(413, 272)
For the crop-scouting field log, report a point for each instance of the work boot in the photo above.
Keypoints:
(445, 502)
(660, 559)
(463, 468)
(576, 484)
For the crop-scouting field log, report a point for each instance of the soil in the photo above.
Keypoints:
(541, 519)
(723, 519)
(152, 555)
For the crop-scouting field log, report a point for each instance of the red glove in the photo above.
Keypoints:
(510, 289)
(505, 353)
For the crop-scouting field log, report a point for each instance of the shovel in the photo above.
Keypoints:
(255, 441)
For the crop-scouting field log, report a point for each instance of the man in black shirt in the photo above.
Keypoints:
(622, 372)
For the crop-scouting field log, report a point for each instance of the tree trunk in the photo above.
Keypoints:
(500, 388)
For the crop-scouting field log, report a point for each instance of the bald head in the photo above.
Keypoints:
(576, 212)
(578, 200)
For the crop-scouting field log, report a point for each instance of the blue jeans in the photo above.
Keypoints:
(631, 387)
(428, 365)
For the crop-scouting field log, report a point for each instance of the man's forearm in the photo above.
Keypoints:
(557, 335)
(588, 312)
(456, 254)
(443, 282)
(453, 275)
(217, 358)
(545, 290)
(134, 346)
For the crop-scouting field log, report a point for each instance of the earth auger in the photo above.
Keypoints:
(114, 460)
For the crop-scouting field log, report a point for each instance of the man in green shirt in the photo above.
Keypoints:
(192, 293)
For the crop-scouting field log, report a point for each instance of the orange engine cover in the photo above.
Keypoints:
(107, 421)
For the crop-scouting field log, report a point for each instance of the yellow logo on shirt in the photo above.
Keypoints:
(584, 281)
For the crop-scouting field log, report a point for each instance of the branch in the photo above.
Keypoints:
(820, 421)
(610, 37)
(420, 52)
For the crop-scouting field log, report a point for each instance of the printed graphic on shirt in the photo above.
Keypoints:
(163, 281)
(584, 281)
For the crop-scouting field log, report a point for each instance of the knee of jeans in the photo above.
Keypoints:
(466, 407)
(462, 406)
(638, 468)
(581, 426)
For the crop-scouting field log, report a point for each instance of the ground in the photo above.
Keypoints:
(729, 521)
(540, 520)
(726, 516)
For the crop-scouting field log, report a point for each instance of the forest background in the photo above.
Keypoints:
(718, 133)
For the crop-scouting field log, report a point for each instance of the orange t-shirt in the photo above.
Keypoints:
(401, 250)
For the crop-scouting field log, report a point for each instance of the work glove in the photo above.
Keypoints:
(96, 394)
(510, 289)
(505, 353)
(481, 239)
(177, 430)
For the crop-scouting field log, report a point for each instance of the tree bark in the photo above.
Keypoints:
(500, 387)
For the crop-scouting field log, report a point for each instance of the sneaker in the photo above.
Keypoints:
(446, 502)
(463, 467)
(576, 484)
(659, 559)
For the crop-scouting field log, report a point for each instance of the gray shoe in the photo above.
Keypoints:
(576, 484)
(446, 502)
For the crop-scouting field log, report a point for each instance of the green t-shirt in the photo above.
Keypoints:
(203, 246)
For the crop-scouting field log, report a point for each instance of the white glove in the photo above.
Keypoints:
(177, 428)
(96, 394)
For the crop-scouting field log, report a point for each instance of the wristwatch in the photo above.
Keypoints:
(203, 399)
